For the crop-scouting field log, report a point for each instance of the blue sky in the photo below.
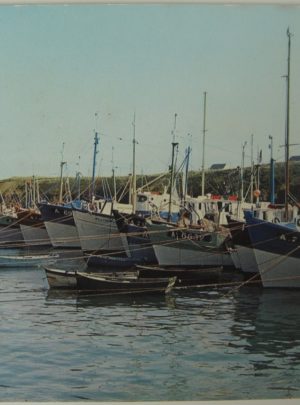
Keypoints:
(61, 64)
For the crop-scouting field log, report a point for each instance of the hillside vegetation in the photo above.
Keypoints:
(224, 183)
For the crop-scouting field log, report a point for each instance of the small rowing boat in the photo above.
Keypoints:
(27, 260)
(107, 283)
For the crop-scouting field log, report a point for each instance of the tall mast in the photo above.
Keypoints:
(133, 196)
(272, 173)
(185, 190)
(252, 171)
(78, 174)
(62, 163)
(113, 174)
(203, 144)
(242, 171)
(287, 134)
(174, 144)
(174, 128)
(96, 141)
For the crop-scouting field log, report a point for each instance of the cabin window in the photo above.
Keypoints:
(142, 198)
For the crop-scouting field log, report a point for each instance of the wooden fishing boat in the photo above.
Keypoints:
(188, 276)
(100, 284)
(188, 247)
(67, 279)
(58, 278)
(27, 260)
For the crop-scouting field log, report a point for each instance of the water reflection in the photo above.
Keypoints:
(84, 300)
(190, 345)
(268, 320)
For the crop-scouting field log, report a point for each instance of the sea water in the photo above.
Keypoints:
(241, 343)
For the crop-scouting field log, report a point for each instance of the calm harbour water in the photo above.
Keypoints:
(191, 345)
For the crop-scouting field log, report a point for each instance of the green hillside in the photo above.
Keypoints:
(224, 182)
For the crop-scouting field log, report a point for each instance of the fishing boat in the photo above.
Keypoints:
(187, 276)
(98, 231)
(107, 283)
(188, 247)
(60, 225)
(277, 252)
(139, 244)
(96, 283)
(241, 251)
(32, 227)
(58, 278)
(10, 232)
(27, 260)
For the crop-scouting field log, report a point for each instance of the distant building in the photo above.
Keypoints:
(295, 158)
(219, 166)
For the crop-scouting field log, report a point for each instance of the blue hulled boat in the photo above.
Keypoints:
(277, 252)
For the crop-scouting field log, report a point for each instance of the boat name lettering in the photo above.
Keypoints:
(185, 235)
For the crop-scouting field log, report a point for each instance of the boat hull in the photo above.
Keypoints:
(247, 260)
(115, 285)
(174, 256)
(27, 261)
(35, 235)
(185, 277)
(61, 278)
(11, 235)
(277, 271)
(99, 233)
(62, 235)
(277, 253)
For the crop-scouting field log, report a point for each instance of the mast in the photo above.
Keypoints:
(252, 171)
(96, 141)
(174, 144)
(287, 134)
(272, 172)
(62, 163)
(113, 174)
(203, 145)
(185, 190)
(133, 196)
(78, 175)
(174, 128)
(242, 170)
(37, 190)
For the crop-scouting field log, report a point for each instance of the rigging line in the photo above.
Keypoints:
(281, 258)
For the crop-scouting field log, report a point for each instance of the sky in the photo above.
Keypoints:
(67, 71)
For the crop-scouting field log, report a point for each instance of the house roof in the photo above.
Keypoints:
(218, 166)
